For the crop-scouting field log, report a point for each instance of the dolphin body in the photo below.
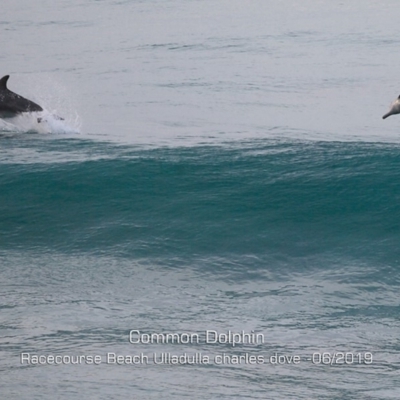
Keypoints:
(394, 108)
(12, 104)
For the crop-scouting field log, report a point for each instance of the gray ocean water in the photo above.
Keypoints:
(223, 168)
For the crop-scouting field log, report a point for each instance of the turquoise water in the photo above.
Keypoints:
(227, 170)
(266, 198)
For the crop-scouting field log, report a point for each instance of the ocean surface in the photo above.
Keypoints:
(217, 217)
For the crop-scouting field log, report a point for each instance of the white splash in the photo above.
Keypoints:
(59, 114)
(41, 122)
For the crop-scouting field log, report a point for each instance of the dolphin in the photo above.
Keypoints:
(12, 104)
(394, 108)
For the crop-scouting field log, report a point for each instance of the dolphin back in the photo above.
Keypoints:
(12, 103)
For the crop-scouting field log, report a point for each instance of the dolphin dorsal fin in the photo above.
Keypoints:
(3, 82)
